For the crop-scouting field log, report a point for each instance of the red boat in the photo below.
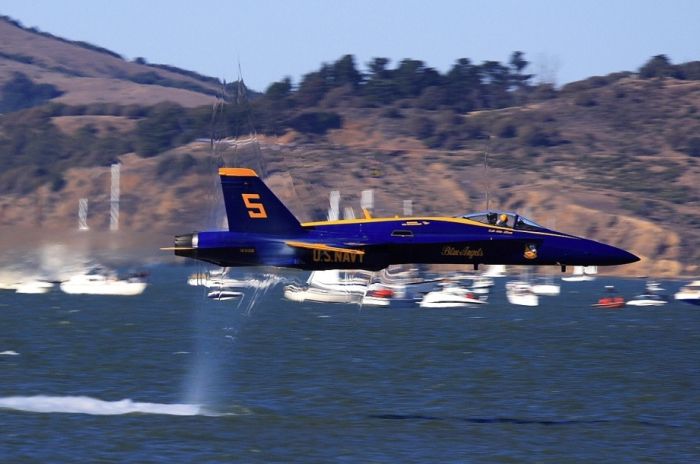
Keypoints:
(610, 300)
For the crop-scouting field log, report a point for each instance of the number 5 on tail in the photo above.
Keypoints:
(256, 210)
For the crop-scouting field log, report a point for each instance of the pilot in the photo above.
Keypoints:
(502, 220)
(492, 217)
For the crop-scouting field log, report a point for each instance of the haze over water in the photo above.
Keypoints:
(172, 377)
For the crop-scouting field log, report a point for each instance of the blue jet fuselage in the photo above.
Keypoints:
(264, 233)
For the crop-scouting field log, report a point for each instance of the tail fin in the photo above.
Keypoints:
(252, 207)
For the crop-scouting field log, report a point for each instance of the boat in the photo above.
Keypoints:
(317, 295)
(218, 279)
(34, 287)
(223, 294)
(9, 286)
(331, 286)
(582, 274)
(647, 299)
(495, 271)
(481, 284)
(450, 296)
(377, 296)
(689, 293)
(546, 287)
(610, 300)
(654, 287)
(100, 282)
(520, 293)
(336, 281)
(402, 280)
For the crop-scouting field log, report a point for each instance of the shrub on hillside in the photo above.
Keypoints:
(421, 127)
(693, 148)
(20, 92)
(316, 122)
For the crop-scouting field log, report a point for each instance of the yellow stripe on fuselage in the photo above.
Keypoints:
(323, 246)
(408, 221)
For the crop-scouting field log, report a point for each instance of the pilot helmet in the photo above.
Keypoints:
(503, 218)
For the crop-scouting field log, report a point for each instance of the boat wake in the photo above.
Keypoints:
(94, 406)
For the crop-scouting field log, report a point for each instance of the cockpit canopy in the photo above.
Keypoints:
(505, 219)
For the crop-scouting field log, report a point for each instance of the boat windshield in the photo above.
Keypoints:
(504, 219)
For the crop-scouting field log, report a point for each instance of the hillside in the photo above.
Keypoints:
(88, 74)
(613, 158)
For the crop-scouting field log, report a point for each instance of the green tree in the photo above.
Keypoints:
(463, 82)
(343, 72)
(313, 87)
(412, 77)
(657, 66)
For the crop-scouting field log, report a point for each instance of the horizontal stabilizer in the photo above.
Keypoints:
(323, 246)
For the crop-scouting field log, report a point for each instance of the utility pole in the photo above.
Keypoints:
(114, 199)
(82, 214)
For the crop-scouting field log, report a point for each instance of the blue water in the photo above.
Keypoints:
(172, 377)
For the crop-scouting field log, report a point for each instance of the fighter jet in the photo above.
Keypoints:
(263, 232)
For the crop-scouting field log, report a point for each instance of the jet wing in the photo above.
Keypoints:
(323, 246)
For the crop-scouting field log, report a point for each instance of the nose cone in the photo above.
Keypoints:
(618, 256)
(591, 253)
(600, 254)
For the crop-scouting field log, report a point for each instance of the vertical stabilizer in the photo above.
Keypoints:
(252, 207)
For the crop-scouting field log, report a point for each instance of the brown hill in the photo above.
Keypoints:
(88, 74)
(611, 158)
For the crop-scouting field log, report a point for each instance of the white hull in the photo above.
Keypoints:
(99, 284)
(643, 302)
(34, 287)
(689, 293)
(116, 287)
(495, 270)
(582, 274)
(578, 278)
(546, 289)
(521, 294)
(299, 294)
(523, 300)
(449, 297)
(375, 301)
(202, 280)
(223, 295)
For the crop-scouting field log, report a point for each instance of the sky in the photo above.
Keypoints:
(267, 40)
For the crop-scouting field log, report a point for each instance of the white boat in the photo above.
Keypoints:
(582, 274)
(216, 280)
(647, 299)
(689, 293)
(33, 287)
(330, 286)
(400, 279)
(223, 294)
(9, 285)
(379, 301)
(377, 295)
(98, 282)
(199, 279)
(654, 287)
(520, 293)
(481, 284)
(317, 295)
(336, 281)
(546, 287)
(450, 296)
(495, 271)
